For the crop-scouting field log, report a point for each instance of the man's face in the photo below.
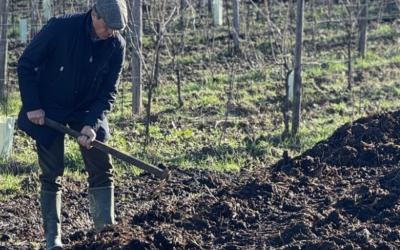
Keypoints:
(100, 28)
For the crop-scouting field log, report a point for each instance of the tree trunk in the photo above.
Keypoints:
(258, 16)
(3, 47)
(314, 21)
(209, 7)
(34, 19)
(248, 17)
(179, 84)
(157, 59)
(179, 51)
(286, 104)
(270, 4)
(182, 17)
(236, 24)
(2, 11)
(349, 56)
(267, 9)
(349, 64)
(330, 7)
(362, 25)
(199, 8)
(397, 3)
(297, 69)
(177, 47)
(136, 18)
(148, 114)
(12, 12)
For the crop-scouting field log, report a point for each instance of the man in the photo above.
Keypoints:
(69, 73)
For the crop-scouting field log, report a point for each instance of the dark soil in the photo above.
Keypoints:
(341, 194)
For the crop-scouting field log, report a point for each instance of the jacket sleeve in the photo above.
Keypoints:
(33, 57)
(108, 90)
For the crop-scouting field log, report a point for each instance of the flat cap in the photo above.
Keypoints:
(113, 12)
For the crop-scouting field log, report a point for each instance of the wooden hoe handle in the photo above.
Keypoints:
(160, 173)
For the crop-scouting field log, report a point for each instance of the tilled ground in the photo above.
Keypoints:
(341, 194)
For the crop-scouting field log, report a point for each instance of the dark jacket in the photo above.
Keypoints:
(70, 77)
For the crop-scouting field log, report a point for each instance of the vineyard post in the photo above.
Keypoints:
(236, 24)
(362, 25)
(297, 90)
(3, 47)
(136, 33)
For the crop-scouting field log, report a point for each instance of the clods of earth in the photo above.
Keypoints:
(341, 194)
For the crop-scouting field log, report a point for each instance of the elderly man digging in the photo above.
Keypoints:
(70, 73)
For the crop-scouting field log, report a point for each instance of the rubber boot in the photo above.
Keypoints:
(51, 214)
(101, 202)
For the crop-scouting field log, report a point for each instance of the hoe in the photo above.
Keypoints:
(163, 174)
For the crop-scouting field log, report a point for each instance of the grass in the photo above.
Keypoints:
(72, 155)
(185, 60)
(315, 71)
(371, 60)
(9, 185)
(383, 31)
(252, 76)
(12, 104)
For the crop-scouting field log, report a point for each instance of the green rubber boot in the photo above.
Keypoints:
(51, 214)
(101, 202)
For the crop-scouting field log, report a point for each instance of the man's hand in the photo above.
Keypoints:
(36, 116)
(87, 137)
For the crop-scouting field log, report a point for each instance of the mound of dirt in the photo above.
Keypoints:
(341, 194)
(371, 141)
